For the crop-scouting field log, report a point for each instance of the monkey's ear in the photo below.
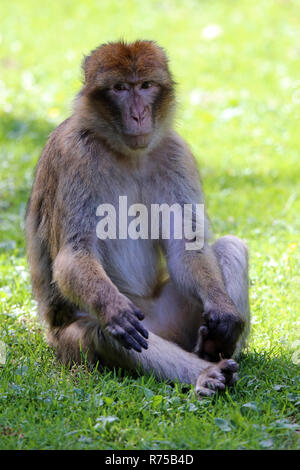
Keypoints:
(84, 65)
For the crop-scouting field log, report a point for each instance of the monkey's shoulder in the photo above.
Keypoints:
(54, 145)
(176, 157)
(176, 148)
(70, 149)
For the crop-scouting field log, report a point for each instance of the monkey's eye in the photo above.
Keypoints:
(119, 87)
(146, 85)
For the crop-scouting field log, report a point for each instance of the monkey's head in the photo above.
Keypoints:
(130, 93)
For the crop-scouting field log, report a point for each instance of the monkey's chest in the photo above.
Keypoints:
(128, 251)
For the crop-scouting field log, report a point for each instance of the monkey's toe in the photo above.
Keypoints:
(228, 366)
(217, 377)
(210, 381)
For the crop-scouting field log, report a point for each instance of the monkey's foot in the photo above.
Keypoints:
(217, 377)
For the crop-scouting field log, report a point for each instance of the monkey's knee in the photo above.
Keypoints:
(232, 256)
(230, 248)
(63, 272)
(77, 341)
(85, 340)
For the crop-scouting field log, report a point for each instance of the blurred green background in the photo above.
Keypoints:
(237, 65)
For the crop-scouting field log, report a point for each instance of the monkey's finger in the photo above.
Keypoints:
(139, 314)
(120, 335)
(139, 339)
(126, 339)
(130, 329)
(132, 343)
(139, 327)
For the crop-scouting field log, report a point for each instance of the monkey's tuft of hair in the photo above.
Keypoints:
(139, 57)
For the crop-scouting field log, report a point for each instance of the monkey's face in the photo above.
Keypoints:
(131, 90)
(134, 101)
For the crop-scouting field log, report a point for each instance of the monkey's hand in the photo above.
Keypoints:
(124, 324)
(219, 334)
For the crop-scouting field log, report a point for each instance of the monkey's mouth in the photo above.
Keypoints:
(137, 141)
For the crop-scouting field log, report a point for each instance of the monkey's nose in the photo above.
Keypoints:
(138, 117)
(138, 114)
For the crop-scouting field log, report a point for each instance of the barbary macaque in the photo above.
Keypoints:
(131, 303)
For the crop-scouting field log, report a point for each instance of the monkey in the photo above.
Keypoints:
(145, 304)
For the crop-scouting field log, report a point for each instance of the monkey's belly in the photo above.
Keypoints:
(132, 265)
(173, 317)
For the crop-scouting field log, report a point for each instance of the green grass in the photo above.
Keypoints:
(239, 108)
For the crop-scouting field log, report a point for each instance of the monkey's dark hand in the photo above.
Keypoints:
(125, 325)
(219, 334)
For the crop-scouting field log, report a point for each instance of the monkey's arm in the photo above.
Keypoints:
(196, 272)
(77, 268)
(82, 279)
(194, 268)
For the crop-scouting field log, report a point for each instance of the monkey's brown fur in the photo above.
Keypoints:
(112, 299)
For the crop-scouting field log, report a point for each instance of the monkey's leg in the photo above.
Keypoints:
(163, 358)
(232, 256)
